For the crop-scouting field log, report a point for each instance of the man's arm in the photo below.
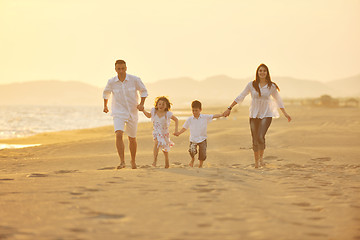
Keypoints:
(106, 110)
(140, 107)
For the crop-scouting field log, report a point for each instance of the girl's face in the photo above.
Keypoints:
(161, 105)
(262, 73)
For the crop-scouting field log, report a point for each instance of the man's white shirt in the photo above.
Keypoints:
(124, 96)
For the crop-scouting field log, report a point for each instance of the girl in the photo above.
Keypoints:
(262, 109)
(160, 116)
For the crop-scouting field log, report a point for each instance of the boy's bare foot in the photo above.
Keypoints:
(256, 164)
(191, 163)
(122, 165)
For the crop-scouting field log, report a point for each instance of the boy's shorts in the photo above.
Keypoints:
(202, 149)
(130, 126)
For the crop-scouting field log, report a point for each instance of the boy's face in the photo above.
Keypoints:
(196, 112)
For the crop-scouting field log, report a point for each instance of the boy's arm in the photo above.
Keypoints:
(218, 115)
(180, 132)
(147, 114)
(176, 122)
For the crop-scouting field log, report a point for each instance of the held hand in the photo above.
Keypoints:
(140, 107)
(176, 134)
(106, 110)
(227, 113)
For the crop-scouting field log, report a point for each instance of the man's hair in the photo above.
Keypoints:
(120, 62)
(196, 104)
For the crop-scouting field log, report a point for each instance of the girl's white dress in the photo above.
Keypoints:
(161, 129)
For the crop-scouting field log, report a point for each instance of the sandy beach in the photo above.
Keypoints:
(67, 187)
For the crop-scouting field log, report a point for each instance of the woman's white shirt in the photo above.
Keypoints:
(262, 106)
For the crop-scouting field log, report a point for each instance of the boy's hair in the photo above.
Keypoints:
(196, 104)
(166, 100)
(120, 62)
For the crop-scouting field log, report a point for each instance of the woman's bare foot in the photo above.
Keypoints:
(256, 163)
(191, 163)
(154, 164)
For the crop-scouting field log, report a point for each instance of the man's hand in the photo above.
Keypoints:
(106, 110)
(140, 107)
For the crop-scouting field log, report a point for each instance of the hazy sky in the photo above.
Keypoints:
(81, 39)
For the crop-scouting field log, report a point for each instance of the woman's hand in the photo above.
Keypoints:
(227, 113)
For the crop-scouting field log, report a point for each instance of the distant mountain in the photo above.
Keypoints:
(216, 90)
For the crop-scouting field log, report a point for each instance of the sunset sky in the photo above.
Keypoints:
(81, 39)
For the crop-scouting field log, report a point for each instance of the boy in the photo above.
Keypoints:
(198, 126)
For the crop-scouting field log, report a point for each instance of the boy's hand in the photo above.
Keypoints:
(106, 110)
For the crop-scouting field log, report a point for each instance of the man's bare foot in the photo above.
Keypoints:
(122, 165)
(191, 163)
(133, 165)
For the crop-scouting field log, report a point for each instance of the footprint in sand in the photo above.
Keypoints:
(37, 175)
(6, 179)
(107, 168)
(321, 159)
(102, 215)
(66, 171)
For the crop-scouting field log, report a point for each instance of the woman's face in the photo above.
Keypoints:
(262, 73)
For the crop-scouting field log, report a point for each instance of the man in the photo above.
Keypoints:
(124, 89)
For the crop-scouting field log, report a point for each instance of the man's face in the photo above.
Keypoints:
(196, 112)
(120, 69)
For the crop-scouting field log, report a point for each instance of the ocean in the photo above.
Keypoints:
(23, 121)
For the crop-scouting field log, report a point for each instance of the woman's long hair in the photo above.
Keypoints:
(268, 79)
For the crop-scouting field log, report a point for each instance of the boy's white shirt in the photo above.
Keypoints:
(198, 127)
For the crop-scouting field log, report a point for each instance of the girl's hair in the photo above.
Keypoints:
(166, 100)
(268, 79)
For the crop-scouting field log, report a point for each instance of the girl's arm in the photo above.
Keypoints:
(285, 114)
(176, 122)
(147, 114)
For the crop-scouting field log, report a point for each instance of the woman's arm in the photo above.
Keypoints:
(228, 110)
(285, 114)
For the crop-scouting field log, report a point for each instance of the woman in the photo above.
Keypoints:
(262, 109)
